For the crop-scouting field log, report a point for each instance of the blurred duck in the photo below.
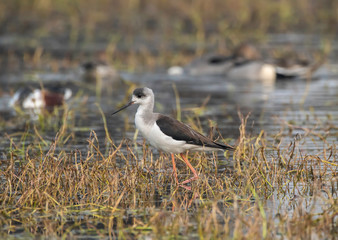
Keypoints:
(292, 65)
(38, 98)
(92, 71)
(104, 76)
(243, 64)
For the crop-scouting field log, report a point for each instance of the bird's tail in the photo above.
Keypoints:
(225, 147)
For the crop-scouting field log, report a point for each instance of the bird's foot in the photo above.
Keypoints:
(185, 187)
(175, 176)
(182, 184)
(189, 180)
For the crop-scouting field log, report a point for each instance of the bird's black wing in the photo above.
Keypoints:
(182, 132)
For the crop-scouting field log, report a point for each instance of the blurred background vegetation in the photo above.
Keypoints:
(148, 34)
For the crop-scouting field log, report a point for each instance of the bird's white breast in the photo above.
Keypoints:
(34, 100)
(151, 131)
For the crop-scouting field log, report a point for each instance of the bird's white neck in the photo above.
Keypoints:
(145, 113)
(146, 108)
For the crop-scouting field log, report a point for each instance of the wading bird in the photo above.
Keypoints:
(168, 134)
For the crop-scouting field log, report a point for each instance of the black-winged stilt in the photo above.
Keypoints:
(168, 134)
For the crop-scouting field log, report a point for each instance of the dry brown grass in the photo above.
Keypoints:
(123, 190)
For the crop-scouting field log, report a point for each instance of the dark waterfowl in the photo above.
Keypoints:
(244, 64)
(105, 78)
(94, 70)
(292, 65)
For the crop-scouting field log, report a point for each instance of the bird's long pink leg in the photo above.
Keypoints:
(174, 167)
(191, 168)
(175, 173)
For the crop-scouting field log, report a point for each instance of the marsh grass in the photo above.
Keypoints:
(125, 190)
(268, 188)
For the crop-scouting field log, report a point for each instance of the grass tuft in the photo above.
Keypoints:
(125, 190)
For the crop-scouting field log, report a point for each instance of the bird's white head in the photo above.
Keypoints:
(142, 96)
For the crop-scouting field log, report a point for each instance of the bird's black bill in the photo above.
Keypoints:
(124, 107)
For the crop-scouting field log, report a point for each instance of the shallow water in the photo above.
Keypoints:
(291, 109)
